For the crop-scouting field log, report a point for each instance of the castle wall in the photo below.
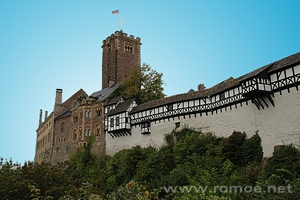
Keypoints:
(276, 125)
(83, 122)
(44, 140)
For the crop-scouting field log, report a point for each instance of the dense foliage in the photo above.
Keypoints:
(191, 165)
(145, 84)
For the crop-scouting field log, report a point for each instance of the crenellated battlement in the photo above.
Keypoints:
(120, 34)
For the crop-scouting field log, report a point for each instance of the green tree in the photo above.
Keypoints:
(145, 84)
(81, 163)
(252, 150)
(122, 167)
(285, 162)
(12, 184)
(155, 168)
(233, 147)
(51, 180)
(281, 170)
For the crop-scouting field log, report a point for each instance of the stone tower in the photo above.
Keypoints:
(120, 54)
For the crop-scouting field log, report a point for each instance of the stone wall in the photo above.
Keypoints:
(117, 62)
(276, 125)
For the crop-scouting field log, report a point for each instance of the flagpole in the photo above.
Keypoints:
(121, 21)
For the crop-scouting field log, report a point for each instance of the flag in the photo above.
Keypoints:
(115, 12)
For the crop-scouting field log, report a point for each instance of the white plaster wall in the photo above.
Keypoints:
(116, 144)
(276, 125)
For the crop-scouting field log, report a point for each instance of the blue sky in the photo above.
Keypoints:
(46, 45)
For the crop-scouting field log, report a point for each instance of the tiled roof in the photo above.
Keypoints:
(65, 114)
(122, 107)
(225, 85)
(255, 72)
(68, 104)
(113, 100)
(102, 95)
(229, 83)
(290, 60)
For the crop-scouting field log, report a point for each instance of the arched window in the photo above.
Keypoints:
(80, 133)
(98, 131)
(98, 112)
(88, 114)
(75, 118)
(74, 134)
(87, 132)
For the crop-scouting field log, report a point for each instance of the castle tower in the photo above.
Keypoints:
(120, 54)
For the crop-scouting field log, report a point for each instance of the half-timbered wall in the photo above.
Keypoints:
(226, 112)
(285, 78)
(118, 121)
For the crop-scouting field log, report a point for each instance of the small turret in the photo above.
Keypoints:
(46, 115)
(41, 113)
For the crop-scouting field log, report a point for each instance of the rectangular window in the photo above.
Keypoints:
(222, 96)
(112, 122)
(62, 127)
(145, 128)
(117, 121)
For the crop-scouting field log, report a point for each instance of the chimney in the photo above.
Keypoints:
(46, 115)
(201, 87)
(58, 100)
(41, 113)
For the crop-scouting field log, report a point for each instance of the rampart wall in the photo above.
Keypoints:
(276, 125)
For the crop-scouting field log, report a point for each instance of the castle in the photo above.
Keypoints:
(265, 100)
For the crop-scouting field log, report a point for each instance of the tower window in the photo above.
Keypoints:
(108, 64)
(128, 48)
(108, 50)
